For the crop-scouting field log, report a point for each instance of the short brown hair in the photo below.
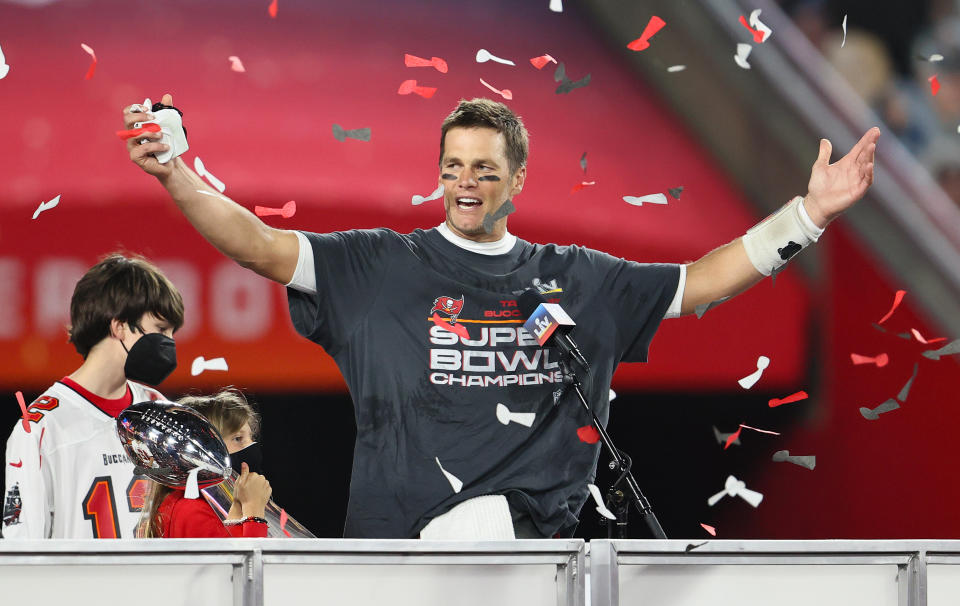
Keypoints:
(490, 114)
(120, 288)
(227, 410)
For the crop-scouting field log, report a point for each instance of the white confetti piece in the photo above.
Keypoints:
(935, 58)
(483, 55)
(758, 25)
(613, 395)
(844, 25)
(455, 482)
(523, 418)
(192, 489)
(437, 193)
(601, 508)
(4, 68)
(199, 365)
(46, 206)
(750, 380)
(236, 64)
(743, 51)
(202, 171)
(556, 6)
(736, 488)
(651, 199)
(676, 68)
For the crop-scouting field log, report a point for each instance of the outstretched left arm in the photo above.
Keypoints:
(833, 188)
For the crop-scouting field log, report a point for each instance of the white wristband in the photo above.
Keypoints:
(776, 239)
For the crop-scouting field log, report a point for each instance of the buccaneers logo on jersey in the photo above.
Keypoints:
(449, 306)
(452, 307)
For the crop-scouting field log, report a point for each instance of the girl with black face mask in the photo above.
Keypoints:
(169, 514)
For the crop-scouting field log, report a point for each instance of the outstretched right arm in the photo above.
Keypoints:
(232, 229)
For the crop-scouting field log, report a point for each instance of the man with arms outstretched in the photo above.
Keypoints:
(435, 382)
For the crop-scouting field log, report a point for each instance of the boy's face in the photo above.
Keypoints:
(151, 323)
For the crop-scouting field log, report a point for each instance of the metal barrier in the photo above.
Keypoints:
(748, 573)
(247, 572)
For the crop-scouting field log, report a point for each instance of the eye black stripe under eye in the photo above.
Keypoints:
(488, 178)
(448, 177)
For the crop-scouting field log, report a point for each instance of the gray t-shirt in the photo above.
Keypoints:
(429, 339)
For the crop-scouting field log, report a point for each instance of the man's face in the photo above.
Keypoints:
(476, 180)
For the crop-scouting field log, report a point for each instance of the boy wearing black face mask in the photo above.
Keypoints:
(67, 475)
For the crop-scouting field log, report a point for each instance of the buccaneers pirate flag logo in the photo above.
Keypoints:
(451, 307)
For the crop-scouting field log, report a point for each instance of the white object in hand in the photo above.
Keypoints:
(455, 482)
(417, 200)
(203, 172)
(601, 508)
(758, 25)
(523, 418)
(46, 206)
(483, 55)
(743, 51)
(736, 488)
(750, 380)
(171, 131)
(199, 365)
(556, 6)
(192, 489)
(651, 199)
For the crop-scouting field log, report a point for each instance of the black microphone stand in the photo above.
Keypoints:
(618, 501)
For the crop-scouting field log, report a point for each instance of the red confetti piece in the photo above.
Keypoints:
(796, 397)
(286, 211)
(93, 64)
(505, 93)
(896, 302)
(435, 62)
(539, 62)
(581, 185)
(272, 9)
(732, 437)
(757, 34)
(934, 85)
(23, 409)
(136, 132)
(708, 528)
(881, 360)
(919, 337)
(457, 329)
(643, 42)
(410, 86)
(283, 521)
(236, 64)
(588, 434)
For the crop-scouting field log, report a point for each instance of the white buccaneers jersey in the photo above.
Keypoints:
(69, 477)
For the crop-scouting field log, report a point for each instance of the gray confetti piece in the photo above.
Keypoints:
(902, 396)
(560, 74)
(874, 414)
(675, 192)
(704, 308)
(808, 461)
(905, 335)
(722, 437)
(947, 350)
(360, 134)
(691, 546)
(583, 162)
(566, 86)
(878, 327)
(505, 209)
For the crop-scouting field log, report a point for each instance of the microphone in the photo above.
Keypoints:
(548, 322)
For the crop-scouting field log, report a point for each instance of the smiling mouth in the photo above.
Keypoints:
(468, 203)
